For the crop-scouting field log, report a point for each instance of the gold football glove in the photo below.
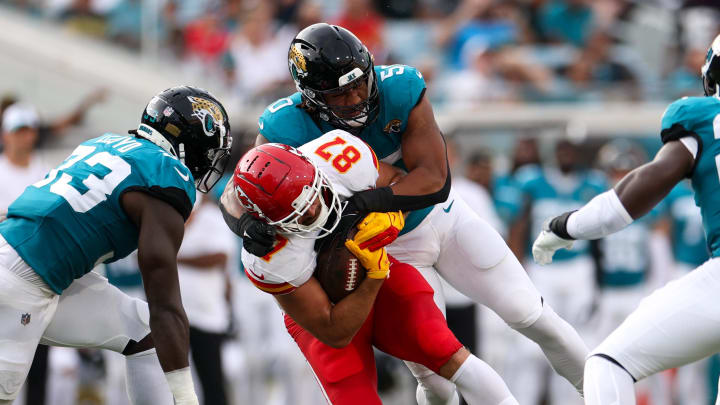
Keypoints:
(375, 262)
(379, 229)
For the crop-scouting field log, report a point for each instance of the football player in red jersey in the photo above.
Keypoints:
(340, 87)
(299, 191)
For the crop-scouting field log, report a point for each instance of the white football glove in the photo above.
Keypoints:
(546, 244)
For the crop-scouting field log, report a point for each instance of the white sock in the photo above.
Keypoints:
(562, 345)
(478, 383)
(606, 383)
(433, 389)
(146, 383)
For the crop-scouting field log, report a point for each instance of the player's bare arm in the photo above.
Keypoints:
(388, 175)
(334, 325)
(161, 230)
(643, 188)
(423, 150)
(229, 201)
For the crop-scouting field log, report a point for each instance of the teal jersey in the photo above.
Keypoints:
(697, 116)
(71, 221)
(687, 238)
(549, 194)
(625, 255)
(507, 198)
(400, 88)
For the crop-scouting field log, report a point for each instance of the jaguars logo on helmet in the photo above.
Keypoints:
(298, 67)
(196, 131)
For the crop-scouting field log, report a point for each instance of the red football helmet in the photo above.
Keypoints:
(278, 184)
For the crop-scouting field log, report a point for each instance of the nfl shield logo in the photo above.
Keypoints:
(24, 319)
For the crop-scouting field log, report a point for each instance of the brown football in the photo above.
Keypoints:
(338, 271)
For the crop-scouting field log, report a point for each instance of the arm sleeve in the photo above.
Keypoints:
(677, 123)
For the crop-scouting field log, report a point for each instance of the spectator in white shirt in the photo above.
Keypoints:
(204, 286)
(19, 163)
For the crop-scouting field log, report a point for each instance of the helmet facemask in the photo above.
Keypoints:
(711, 70)
(219, 159)
(352, 118)
(321, 190)
(211, 165)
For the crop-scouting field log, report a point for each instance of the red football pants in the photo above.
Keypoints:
(404, 322)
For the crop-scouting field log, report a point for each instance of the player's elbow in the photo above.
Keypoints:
(335, 336)
(438, 186)
(336, 342)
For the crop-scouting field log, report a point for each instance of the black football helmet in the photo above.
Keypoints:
(327, 59)
(192, 125)
(711, 69)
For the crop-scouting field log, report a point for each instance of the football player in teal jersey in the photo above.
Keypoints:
(679, 323)
(339, 87)
(112, 195)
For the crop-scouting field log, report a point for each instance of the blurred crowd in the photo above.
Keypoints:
(471, 51)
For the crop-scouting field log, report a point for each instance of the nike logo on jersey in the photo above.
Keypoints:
(260, 277)
(185, 177)
(449, 207)
(261, 125)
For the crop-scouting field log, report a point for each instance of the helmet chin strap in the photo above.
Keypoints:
(152, 135)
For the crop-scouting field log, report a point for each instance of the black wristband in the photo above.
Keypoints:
(416, 202)
(375, 200)
(558, 225)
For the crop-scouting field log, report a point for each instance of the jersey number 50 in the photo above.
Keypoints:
(97, 188)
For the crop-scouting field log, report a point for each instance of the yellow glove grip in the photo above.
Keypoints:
(376, 262)
(376, 223)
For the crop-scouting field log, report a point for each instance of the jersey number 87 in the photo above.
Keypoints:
(343, 161)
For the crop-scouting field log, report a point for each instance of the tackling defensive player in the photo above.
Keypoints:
(299, 191)
(112, 195)
(339, 87)
(679, 323)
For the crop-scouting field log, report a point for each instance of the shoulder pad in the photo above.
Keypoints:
(680, 117)
(289, 265)
(401, 86)
(347, 161)
(163, 177)
(282, 121)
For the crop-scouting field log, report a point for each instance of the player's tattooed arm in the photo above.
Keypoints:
(334, 325)
(229, 201)
(161, 230)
